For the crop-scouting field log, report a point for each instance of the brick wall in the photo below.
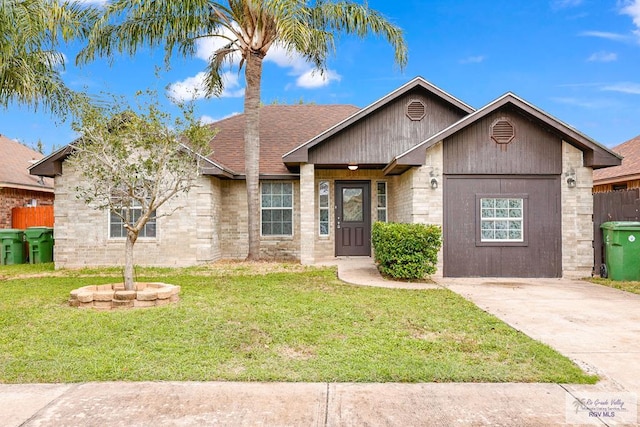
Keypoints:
(233, 226)
(577, 211)
(186, 237)
(13, 198)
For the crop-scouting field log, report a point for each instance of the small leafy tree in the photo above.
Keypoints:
(139, 158)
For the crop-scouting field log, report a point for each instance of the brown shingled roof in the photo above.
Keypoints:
(630, 167)
(16, 159)
(282, 128)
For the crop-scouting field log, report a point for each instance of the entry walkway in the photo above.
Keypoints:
(597, 327)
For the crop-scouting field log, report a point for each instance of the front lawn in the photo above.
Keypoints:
(242, 322)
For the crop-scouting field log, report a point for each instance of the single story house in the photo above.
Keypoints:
(509, 184)
(18, 188)
(626, 176)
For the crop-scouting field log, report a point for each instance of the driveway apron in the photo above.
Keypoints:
(596, 326)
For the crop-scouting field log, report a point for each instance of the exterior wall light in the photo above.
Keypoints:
(571, 182)
(352, 167)
(434, 183)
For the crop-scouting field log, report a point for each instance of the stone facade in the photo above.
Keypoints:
(14, 197)
(577, 214)
(184, 238)
(234, 223)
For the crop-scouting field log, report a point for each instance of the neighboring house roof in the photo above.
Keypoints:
(595, 155)
(628, 170)
(301, 152)
(16, 160)
(282, 128)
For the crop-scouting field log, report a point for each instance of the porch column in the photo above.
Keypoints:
(307, 213)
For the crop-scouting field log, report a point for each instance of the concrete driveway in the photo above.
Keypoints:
(596, 326)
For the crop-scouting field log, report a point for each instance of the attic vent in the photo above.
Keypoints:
(416, 110)
(502, 131)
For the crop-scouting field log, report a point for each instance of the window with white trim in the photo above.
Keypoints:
(131, 214)
(276, 201)
(501, 219)
(382, 201)
(323, 207)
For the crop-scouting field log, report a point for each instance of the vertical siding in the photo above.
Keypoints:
(386, 133)
(539, 257)
(534, 151)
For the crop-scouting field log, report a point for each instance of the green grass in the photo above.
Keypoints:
(629, 286)
(291, 325)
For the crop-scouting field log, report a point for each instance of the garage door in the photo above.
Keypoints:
(499, 226)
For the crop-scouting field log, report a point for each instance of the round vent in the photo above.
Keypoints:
(502, 131)
(416, 110)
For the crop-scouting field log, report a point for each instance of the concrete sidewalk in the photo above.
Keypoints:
(285, 404)
(597, 327)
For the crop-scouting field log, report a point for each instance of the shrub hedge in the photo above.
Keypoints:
(406, 251)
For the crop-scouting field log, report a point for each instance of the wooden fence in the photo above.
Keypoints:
(623, 205)
(38, 216)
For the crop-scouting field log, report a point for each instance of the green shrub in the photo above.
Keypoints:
(406, 251)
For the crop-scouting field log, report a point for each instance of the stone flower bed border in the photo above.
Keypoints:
(107, 297)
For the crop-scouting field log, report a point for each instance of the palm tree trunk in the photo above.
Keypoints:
(253, 75)
(129, 284)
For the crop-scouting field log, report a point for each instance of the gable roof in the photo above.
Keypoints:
(282, 127)
(595, 154)
(628, 170)
(16, 160)
(301, 152)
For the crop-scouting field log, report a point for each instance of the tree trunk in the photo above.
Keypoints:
(253, 75)
(129, 284)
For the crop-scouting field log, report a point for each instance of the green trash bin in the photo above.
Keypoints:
(12, 246)
(622, 250)
(40, 240)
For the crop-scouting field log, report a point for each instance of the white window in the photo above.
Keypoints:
(382, 201)
(131, 214)
(323, 207)
(501, 219)
(277, 209)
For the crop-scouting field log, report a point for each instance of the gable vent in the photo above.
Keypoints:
(416, 110)
(502, 131)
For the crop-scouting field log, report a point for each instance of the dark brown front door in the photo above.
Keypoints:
(353, 218)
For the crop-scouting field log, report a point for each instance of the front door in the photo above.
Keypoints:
(353, 218)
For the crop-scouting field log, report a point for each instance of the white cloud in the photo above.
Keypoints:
(205, 119)
(306, 76)
(624, 87)
(605, 35)
(95, 2)
(313, 79)
(603, 57)
(193, 88)
(205, 47)
(563, 4)
(473, 59)
(632, 8)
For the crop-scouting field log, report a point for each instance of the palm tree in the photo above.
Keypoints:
(250, 28)
(30, 67)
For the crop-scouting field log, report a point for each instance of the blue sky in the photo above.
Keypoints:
(578, 60)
